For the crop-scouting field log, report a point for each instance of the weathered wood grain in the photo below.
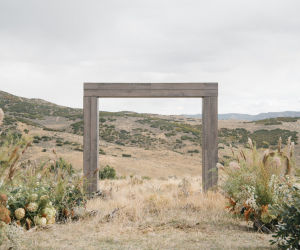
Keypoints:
(94, 186)
(86, 137)
(91, 143)
(103, 86)
(102, 93)
(150, 90)
(140, 93)
(140, 86)
(209, 142)
(185, 86)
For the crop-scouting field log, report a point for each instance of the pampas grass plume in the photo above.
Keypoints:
(231, 149)
(54, 151)
(277, 161)
(279, 145)
(234, 166)
(220, 166)
(250, 143)
(265, 156)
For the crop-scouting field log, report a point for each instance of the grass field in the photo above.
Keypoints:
(153, 214)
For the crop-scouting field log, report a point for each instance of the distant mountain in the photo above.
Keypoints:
(252, 117)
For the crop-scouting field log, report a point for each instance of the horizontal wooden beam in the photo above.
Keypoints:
(148, 90)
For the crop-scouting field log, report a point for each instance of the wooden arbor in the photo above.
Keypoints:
(207, 91)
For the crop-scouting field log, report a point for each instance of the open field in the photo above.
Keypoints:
(153, 214)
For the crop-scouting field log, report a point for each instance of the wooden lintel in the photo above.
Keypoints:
(150, 90)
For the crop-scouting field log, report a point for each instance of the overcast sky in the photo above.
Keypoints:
(48, 49)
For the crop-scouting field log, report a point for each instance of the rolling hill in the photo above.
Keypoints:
(158, 145)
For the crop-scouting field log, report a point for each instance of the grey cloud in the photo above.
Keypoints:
(250, 47)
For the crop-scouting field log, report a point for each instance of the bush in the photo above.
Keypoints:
(47, 194)
(252, 184)
(44, 150)
(170, 134)
(287, 233)
(102, 119)
(52, 129)
(185, 137)
(101, 151)
(120, 143)
(126, 155)
(194, 151)
(59, 144)
(62, 164)
(36, 141)
(107, 172)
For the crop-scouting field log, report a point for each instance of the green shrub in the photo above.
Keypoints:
(62, 164)
(44, 150)
(102, 119)
(120, 143)
(107, 172)
(46, 138)
(193, 151)
(146, 177)
(126, 155)
(36, 141)
(26, 131)
(101, 151)
(170, 134)
(287, 234)
(59, 144)
(52, 129)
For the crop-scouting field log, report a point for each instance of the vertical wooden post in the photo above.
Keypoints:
(209, 141)
(91, 142)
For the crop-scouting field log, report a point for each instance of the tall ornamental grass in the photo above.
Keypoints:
(253, 185)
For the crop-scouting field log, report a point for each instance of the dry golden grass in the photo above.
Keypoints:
(153, 214)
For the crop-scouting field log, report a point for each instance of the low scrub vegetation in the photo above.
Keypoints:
(107, 172)
(277, 121)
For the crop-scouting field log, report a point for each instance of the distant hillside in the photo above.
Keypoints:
(260, 116)
(146, 144)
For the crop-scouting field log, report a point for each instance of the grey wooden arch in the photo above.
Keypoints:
(207, 91)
